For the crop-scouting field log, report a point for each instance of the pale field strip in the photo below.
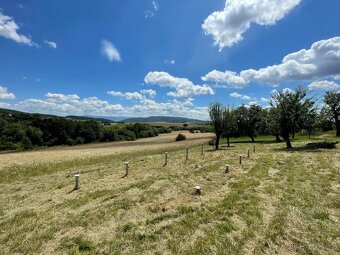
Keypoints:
(58, 154)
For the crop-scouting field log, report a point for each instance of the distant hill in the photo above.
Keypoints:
(164, 119)
(116, 119)
(73, 117)
(84, 118)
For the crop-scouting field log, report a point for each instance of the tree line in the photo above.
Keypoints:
(21, 131)
(289, 112)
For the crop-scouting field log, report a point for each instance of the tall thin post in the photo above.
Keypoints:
(187, 154)
(248, 153)
(166, 159)
(202, 150)
(254, 148)
(240, 159)
(126, 168)
(76, 178)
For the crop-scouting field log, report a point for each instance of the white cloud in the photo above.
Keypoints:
(266, 100)
(227, 26)
(155, 5)
(126, 95)
(151, 13)
(61, 97)
(4, 94)
(326, 85)
(244, 97)
(94, 106)
(183, 87)
(169, 61)
(69, 106)
(4, 105)
(110, 51)
(51, 44)
(8, 29)
(320, 61)
(148, 14)
(149, 92)
(226, 77)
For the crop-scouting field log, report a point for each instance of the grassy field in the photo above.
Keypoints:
(276, 202)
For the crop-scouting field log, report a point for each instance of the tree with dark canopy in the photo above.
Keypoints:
(229, 123)
(332, 100)
(291, 109)
(216, 116)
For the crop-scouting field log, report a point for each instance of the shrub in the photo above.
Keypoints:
(180, 137)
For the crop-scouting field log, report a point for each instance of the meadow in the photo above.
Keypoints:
(277, 201)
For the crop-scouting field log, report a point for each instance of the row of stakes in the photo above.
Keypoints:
(197, 188)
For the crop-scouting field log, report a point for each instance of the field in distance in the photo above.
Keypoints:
(276, 202)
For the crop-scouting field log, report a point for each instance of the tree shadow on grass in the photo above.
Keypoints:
(257, 141)
(310, 147)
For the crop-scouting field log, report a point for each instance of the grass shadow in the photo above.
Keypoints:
(310, 147)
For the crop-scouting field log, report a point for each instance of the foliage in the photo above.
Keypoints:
(291, 110)
(332, 100)
(229, 123)
(216, 117)
(21, 131)
(180, 137)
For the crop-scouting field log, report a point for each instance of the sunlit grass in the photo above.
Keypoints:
(276, 202)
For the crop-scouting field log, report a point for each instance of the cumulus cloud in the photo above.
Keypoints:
(51, 44)
(149, 92)
(244, 97)
(9, 29)
(326, 85)
(61, 97)
(227, 77)
(66, 105)
(126, 95)
(184, 88)
(320, 61)
(4, 94)
(110, 51)
(69, 105)
(227, 26)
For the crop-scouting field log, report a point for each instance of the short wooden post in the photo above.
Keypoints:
(240, 159)
(226, 168)
(166, 159)
(254, 148)
(126, 168)
(198, 190)
(76, 176)
(202, 150)
(187, 154)
(248, 153)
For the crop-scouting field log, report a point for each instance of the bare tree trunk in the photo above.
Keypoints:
(252, 139)
(228, 141)
(217, 141)
(337, 125)
(289, 145)
(285, 136)
(278, 140)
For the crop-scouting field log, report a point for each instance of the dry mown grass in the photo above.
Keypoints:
(277, 202)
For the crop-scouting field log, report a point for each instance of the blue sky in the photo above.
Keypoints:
(142, 58)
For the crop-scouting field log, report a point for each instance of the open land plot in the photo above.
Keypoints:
(276, 202)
